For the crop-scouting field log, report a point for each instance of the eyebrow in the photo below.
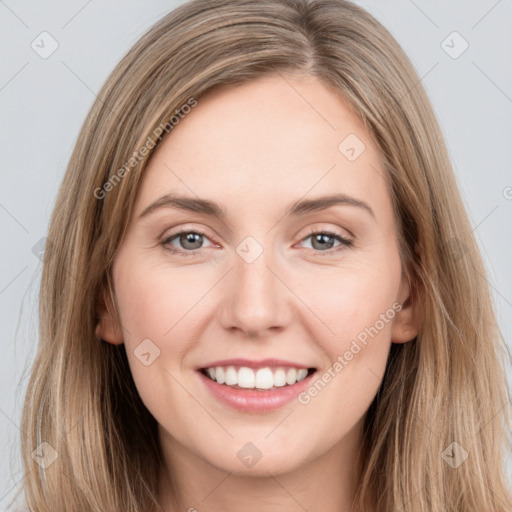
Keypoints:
(212, 209)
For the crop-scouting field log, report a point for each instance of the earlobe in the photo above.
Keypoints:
(108, 327)
(407, 321)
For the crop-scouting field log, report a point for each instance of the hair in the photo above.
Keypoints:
(446, 385)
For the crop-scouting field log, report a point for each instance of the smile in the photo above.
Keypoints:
(255, 390)
(248, 378)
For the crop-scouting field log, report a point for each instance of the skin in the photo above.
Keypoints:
(256, 148)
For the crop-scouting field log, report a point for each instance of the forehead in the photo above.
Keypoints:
(266, 140)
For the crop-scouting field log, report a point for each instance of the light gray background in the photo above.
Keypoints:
(44, 102)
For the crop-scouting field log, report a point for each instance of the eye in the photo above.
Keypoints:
(190, 241)
(323, 241)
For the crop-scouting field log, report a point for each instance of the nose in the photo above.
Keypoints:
(256, 298)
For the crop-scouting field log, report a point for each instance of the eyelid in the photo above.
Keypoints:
(177, 229)
(328, 228)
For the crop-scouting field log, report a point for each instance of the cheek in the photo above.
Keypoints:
(358, 308)
(153, 313)
(354, 297)
(356, 304)
(150, 303)
(151, 299)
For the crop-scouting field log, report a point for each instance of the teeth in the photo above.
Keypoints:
(246, 377)
(231, 376)
(279, 377)
(264, 378)
(291, 376)
(220, 376)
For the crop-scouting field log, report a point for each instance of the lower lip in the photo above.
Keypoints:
(252, 400)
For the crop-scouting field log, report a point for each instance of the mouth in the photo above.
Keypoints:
(258, 389)
(268, 378)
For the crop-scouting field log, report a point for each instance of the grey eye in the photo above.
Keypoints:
(191, 240)
(322, 241)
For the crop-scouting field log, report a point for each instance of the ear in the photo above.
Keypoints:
(108, 327)
(406, 324)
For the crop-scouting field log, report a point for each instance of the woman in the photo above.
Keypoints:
(326, 342)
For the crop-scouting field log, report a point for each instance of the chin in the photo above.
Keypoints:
(249, 460)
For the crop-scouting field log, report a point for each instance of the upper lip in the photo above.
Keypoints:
(260, 363)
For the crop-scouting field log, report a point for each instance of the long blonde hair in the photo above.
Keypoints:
(446, 386)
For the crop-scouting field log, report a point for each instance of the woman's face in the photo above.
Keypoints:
(249, 279)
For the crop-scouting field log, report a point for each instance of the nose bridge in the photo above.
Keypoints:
(256, 299)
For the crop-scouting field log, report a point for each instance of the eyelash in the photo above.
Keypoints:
(345, 242)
